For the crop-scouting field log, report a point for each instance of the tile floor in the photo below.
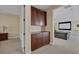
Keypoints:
(13, 46)
(60, 47)
(10, 46)
(49, 49)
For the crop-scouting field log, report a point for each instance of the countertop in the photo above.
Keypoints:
(38, 32)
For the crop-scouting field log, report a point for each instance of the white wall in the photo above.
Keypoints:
(70, 14)
(66, 14)
(10, 9)
(22, 27)
(36, 28)
(12, 24)
(50, 24)
(28, 29)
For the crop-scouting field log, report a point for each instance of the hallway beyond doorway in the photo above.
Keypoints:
(10, 46)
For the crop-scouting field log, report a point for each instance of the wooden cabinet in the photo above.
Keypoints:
(46, 38)
(34, 16)
(3, 36)
(39, 39)
(38, 17)
(34, 41)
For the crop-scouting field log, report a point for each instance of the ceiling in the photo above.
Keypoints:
(42, 7)
(16, 9)
(45, 7)
(10, 9)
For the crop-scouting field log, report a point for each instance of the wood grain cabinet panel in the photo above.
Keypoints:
(3, 36)
(39, 39)
(46, 38)
(34, 16)
(38, 17)
(34, 41)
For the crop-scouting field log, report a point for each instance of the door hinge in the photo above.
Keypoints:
(24, 19)
(24, 5)
(23, 33)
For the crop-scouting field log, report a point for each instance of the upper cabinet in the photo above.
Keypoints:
(38, 17)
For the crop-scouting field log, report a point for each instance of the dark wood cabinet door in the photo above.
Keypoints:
(45, 17)
(34, 16)
(46, 38)
(34, 42)
(40, 39)
(41, 18)
(38, 17)
(3, 36)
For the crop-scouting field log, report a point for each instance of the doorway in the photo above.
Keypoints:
(11, 29)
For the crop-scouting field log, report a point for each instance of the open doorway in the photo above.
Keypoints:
(10, 25)
(66, 29)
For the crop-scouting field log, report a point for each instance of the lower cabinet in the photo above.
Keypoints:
(3, 36)
(46, 38)
(39, 39)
